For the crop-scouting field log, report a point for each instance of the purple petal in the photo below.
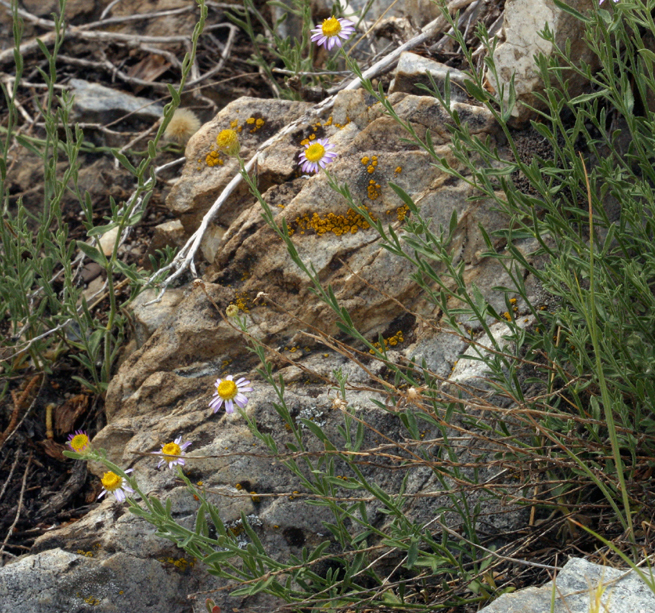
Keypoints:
(216, 404)
(185, 445)
(229, 406)
(119, 494)
(101, 494)
(241, 400)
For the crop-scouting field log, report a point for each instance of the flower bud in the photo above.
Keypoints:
(228, 143)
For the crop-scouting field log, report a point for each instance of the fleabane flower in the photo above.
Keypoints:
(332, 32)
(228, 142)
(230, 392)
(116, 485)
(79, 441)
(173, 452)
(316, 155)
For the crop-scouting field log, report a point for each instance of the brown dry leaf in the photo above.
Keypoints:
(149, 68)
(67, 414)
(54, 450)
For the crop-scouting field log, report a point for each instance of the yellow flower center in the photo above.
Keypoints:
(171, 449)
(314, 152)
(111, 481)
(228, 142)
(331, 27)
(79, 442)
(227, 389)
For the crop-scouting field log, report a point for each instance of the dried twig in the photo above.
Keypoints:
(11, 433)
(221, 63)
(19, 509)
(11, 472)
(19, 401)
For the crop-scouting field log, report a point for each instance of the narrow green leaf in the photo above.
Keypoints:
(95, 254)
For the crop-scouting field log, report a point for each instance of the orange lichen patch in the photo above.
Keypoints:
(351, 223)
(214, 158)
(398, 170)
(241, 300)
(181, 564)
(329, 121)
(304, 141)
(365, 160)
(402, 212)
(255, 123)
(392, 341)
(373, 190)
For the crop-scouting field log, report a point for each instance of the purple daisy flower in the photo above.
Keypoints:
(79, 441)
(316, 155)
(230, 392)
(331, 32)
(117, 485)
(173, 452)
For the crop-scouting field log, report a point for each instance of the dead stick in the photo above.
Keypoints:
(11, 472)
(18, 403)
(20, 506)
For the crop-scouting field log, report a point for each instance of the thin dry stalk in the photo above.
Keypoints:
(19, 401)
(19, 509)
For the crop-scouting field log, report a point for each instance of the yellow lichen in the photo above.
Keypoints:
(241, 300)
(373, 190)
(392, 341)
(351, 223)
(214, 159)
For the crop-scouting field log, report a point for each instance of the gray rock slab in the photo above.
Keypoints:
(413, 69)
(575, 588)
(57, 581)
(95, 102)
